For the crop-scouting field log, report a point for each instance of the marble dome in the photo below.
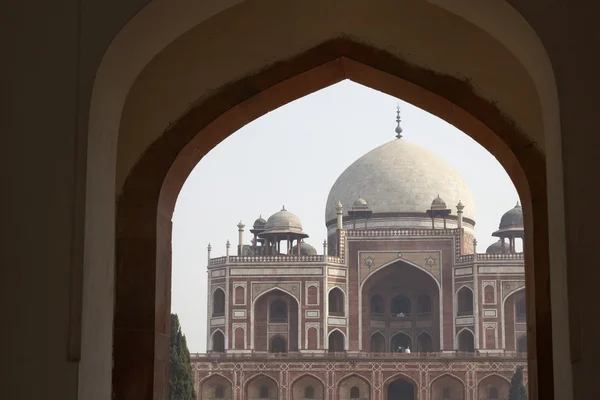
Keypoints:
(399, 177)
(283, 222)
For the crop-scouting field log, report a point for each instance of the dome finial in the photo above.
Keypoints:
(398, 128)
(283, 208)
(518, 204)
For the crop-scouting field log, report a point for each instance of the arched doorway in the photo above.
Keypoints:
(493, 387)
(464, 300)
(336, 302)
(216, 387)
(262, 387)
(466, 341)
(337, 342)
(447, 387)
(424, 343)
(377, 343)
(401, 389)
(400, 342)
(354, 387)
(277, 345)
(218, 304)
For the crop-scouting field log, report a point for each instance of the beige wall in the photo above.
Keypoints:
(60, 66)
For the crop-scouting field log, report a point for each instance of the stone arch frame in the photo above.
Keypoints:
(350, 375)
(225, 348)
(392, 336)
(236, 286)
(503, 316)
(278, 336)
(343, 334)
(298, 301)
(458, 290)
(386, 265)
(316, 286)
(200, 383)
(242, 327)
(382, 334)
(257, 375)
(396, 376)
(462, 382)
(212, 295)
(304, 375)
(424, 332)
(461, 331)
(307, 327)
(494, 291)
(106, 84)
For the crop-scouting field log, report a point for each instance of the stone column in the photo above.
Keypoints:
(340, 221)
(459, 213)
(209, 248)
(324, 250)
(227, 246)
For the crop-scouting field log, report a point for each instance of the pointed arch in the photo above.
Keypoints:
(400, 341)
(454, 385)
(503, 312)
(406, 383)
(424, 342)
(217, 341)
(465, 339)
(255, 385)
(215, 386)
(253, 306)
(465, 300)
(218, 302)
(377, 342)
(336, 341)
(336, 301)
(347, 383)
(300, 384)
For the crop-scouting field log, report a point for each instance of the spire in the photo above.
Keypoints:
(518, 204)
(283, 208)
(398, 128)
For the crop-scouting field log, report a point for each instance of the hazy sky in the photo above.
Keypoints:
(292, 156)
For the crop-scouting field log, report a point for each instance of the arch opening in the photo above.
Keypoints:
(401, 342)
(278, 345)
(466, 341)
(218, 342)
(377, 343)
(464, 301)
(424, 343)
(216, 387)
(337, 342)
(275, 311)
(218, 303)
(401, 389)
(336, 302)
(307, 387)
(262, 387)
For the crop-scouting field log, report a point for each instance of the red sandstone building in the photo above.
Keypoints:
(399, 304)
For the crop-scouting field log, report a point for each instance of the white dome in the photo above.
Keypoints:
(283, 222)
(399, 177)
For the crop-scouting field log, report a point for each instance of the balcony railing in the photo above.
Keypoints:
(360, 355)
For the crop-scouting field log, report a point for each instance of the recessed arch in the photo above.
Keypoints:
(218, 302)
(261, 295)
(336, 301)
(503, 308)
(407, 262)
(407, 383)
(256, 383)
(349, 383)
(336, 340)
(377, 342)
(539, 260)
(207, 387)
(465, 340)
(496, 381)
(304, 382)
(399, 341)
(465, 300)
(217, 341)
(455, 385)
(424, 342)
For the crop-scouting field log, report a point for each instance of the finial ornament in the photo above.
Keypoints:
(283, 208)
(398, 128)
(518, 204)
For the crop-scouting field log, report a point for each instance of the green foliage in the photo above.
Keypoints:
(517, 389)
(181, 380)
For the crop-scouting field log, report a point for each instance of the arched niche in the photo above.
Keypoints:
(336, 341)
(218, 341)
(400, 341)
(216, 387)
(354, 385)
(447, 387)
(218, 303)
(278, 344)
(336, 302)
(276, 308)
(491, 385)
(424, 342)
(401, 387)
(464, 301)
(308, 387)
(262, 387)
(466, 341)
(377, 343)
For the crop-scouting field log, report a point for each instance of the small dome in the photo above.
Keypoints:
(305, 250)
(284, 222)
(438, 204)
(496, 248)
(360, 202)
(259, 223)
(512, 218)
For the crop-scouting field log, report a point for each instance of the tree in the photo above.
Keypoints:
(181, 381)
(517, 389)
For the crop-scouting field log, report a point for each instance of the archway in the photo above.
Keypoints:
(513, 310)
(424, 343)
(466, 341)
(464, 300)
(277, 345)
(403, 288)
(447, 387)
(354, 387)
(216, 387)
(337, 341)
(493, 387)
(262, 387)
(400, 342)
(218, 341)
(218, 303)
(336, 302)
(307, 387)
(401, 389)
(275, 310)
(377, 343)
(129, 198)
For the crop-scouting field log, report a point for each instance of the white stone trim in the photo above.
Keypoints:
(239, 314)
(312, 314)
(493, 325)
(340, 331)
(503, 319)
(275, 271)
(308, 285)
(235, 286)
(484, 284)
